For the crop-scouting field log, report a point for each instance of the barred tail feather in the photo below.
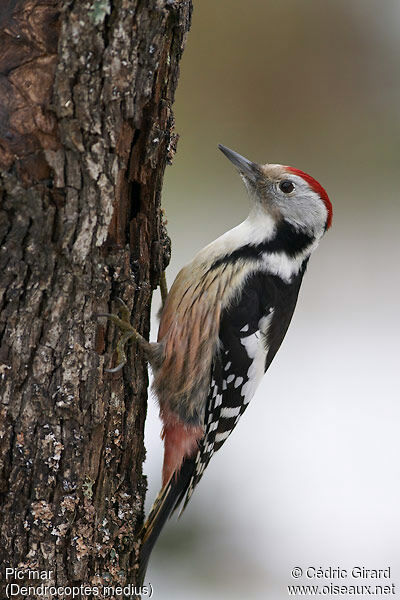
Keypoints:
(169, 498)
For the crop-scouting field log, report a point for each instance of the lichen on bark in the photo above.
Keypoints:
(86, 129)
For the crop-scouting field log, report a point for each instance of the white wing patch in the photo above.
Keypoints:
(257, 352)
(228, 412)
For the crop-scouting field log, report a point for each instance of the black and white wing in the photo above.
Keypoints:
(237, 369)
(251, 332)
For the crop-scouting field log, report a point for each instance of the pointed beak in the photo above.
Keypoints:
(247, 168)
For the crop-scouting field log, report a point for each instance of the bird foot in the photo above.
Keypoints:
(128, 333)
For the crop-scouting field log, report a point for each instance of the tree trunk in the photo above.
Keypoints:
(86, 89)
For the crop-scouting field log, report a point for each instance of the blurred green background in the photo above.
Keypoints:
(311, 476)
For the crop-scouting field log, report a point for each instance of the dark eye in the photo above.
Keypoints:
(286, 186)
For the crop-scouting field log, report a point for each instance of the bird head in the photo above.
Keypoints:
(285, 193)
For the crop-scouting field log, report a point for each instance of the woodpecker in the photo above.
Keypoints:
(224, 320)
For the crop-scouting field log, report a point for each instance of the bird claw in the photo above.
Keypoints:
(130, 332)
(116, 369)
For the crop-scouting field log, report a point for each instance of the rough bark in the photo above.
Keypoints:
(86, 89)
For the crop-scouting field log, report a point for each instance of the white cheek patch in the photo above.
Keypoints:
(305, 209)
(285, 266)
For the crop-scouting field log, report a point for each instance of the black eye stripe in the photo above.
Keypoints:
(286, 186)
